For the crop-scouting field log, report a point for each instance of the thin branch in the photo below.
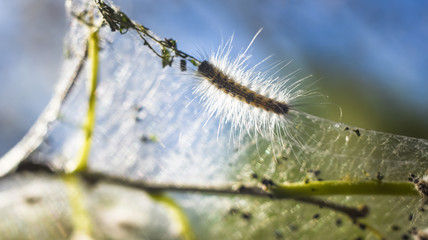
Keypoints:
(254, 191)
(353, 212)
(119, 21)
(235, 190)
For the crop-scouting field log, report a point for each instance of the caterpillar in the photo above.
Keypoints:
(242, 93)
(252, 101)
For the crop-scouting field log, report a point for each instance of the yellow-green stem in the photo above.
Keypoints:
(318, 188)
(177, 214)
(83, 156)
(79, 215)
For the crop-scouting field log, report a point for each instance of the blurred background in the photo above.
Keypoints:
(370, 58)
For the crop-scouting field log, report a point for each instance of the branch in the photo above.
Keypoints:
(235, 190)
(254, 191)
(119, 21)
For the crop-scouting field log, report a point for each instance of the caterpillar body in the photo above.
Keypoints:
(252, 101)
(242, 93)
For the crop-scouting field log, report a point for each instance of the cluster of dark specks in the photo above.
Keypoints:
(413, 178)
(267, 182)
(356, 131)
(395, 228)
(421, 184)
(315, 173)
(412, 232)
(244, 215)
(362, 226)
(420, 235)
(146, 139)
(138, 110)
(316, 216)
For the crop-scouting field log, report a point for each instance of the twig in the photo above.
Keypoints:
(236, 190)
(254, 191)
(119, 21)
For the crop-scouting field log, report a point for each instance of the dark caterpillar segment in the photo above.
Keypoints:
(227, 85)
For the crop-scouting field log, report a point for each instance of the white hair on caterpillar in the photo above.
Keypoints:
(254, 102)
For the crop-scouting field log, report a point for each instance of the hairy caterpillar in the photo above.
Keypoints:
(241, 92)
(253, 102)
